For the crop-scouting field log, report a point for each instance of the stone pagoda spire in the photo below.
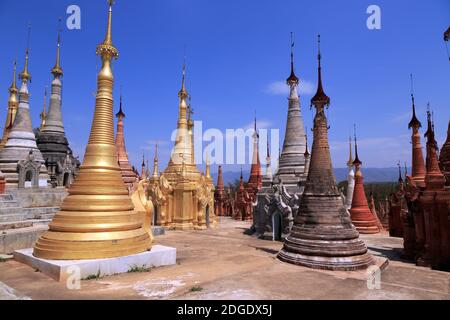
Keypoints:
(219, 195)
(155, 173)
(268, 175)
(20, 151)
(418, 164)
(291, 166)
(323, 235)
(51, 139)
(103, 222)
(13, 104)
(255, 180)
(444, 157)
(128, 175)
(350, 177)
(362, 217)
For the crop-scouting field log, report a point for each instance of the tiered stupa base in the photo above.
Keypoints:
(326, 239)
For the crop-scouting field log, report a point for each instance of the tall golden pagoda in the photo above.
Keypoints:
(97, 218)
(13, 104)
(182, 196)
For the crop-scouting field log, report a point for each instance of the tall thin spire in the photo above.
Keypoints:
(183, 92)
(120, 114)
(57, 71)
(306, 154)
(25, 76)
(155, 163)
(400, 178)
(356, 162)
(320, 96)
(43, 114)
(292, 80)
(414, 121)
(108, 36)
(350, 158)
(13, 88)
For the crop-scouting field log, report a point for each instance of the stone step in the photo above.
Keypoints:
(13, 217)
(8, 204)
(6, 196)
(22, 238)
(29, 213)
(23, 224)
(15, 225)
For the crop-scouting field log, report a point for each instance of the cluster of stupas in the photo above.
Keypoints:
(110, 209)
(419, 208)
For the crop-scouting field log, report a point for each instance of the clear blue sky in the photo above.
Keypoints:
(237, 52)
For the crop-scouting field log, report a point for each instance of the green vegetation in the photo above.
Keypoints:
(93, 276)
(380, 190)
(194, 289)
(3, 259)
(136, 268)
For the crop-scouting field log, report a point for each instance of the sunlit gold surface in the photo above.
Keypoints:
(13, 104)
(97, 219)
(182, 197)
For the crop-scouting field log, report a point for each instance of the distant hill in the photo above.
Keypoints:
(370, 175)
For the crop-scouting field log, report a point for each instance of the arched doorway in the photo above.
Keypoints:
(207, 215)
(277, 226)
(66, 179)
(155, 216)
(28, 179)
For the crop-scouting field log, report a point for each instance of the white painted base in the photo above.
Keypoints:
(60, 270)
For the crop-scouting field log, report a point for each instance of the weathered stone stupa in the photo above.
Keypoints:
(278, 200)
(362, 217)
(51, 138)
(444, 158)
(323, 235)
(20, 159)
(129, 177)
(13, 104)
(97, 219)
(219, 195)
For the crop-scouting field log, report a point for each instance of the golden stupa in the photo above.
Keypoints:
(182, 197)
(13, 104)
(97, 218)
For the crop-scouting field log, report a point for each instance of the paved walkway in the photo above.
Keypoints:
(224, 263)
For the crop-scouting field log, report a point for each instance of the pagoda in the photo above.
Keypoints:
(182, 196)
(20, 159)
(444, 157)
(97, 219)
(13, 104)
(278, 200)
(51, 138)
(323, 235)
(219, 195)
(128, 175)
(362, 217)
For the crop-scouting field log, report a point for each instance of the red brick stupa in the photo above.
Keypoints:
(128, 175)
(362, 217)
(219, 195)
(254, 183)
(243, 203)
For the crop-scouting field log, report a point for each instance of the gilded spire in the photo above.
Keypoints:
(350, 158)
(292, 80)
(13, 88)
(57, 70)
(414, 121)
(207, 169)
(155, 163)
(43, 114)
(106, 49)
(25, 76)
(183, 92)
(320, 97)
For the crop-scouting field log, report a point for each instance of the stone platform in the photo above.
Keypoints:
(60, 270)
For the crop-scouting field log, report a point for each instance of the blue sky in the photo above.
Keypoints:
(237, 55)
